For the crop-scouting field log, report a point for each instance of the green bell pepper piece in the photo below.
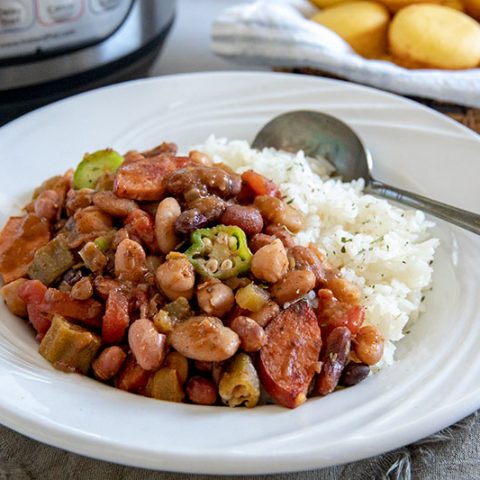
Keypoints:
(220, 252)
(94, 165)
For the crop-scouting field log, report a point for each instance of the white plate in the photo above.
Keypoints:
(433, 383)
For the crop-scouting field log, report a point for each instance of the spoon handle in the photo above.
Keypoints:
(457, 216)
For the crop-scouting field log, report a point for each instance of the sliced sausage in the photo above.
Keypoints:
(289, 358)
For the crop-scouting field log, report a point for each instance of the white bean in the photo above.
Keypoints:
(148, 346)
(130, 261)
(167, 213)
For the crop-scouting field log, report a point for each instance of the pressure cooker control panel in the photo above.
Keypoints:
(31, 26)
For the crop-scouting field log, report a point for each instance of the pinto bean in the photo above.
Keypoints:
(344, 290)
(114, 206)
(248, 219)
(176, 277)
(205, 180)
(130, 261)
(148, 346)
(354, 373)
(335, 356)
(368, 344)
(276, 211)
(270, 263)
(190, 220)
(201, 390)
(252, 335)
(304, 258)
(204, 338)
(47, 205)
(215, 298)
(294, 285)
(108, 363)
(82, 290)
(280, 232)
(259, 240)
(200, 158)
(266, 313)
(167, 213)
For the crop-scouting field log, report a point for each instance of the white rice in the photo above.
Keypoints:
(385, 250)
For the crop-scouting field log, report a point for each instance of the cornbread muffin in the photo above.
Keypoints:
(396, 5)
(455, 4)
(327, 3)
(473, 8)
(435, 37)
(362, 24)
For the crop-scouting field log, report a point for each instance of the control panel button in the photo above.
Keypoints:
(56, 11)
(15, 14)
(100, 6)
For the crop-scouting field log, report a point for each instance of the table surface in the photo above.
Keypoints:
(451, 454)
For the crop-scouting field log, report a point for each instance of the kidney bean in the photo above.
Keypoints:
(201, 390)
(259, 240)
(294, 285)
(190, 220)
(280, 232)
(167, 213)
(108, 363)
(204, 338)
(334, 358)
(248, 219)
(368, 345)
(147, 345)
(354, 373)
(270, 263)
(252, 335)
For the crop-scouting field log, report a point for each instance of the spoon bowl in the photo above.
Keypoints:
(321, 135)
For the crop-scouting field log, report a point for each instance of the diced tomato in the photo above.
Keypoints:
(260, 185)
(116, 318)
(19, 240)
(87, 311)
(332, 313)
(32, 292)
(139, 224)
(132, 377)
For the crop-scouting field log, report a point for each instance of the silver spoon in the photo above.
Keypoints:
(319, 134)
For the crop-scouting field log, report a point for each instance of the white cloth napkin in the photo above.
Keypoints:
(278, 33)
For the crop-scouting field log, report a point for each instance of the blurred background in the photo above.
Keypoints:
(50, 49)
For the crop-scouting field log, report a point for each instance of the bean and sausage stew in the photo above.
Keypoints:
(176, 278)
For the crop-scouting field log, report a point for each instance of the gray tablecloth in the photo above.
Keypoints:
(453, 454)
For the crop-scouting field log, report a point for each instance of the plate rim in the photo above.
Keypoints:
(49, 433)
